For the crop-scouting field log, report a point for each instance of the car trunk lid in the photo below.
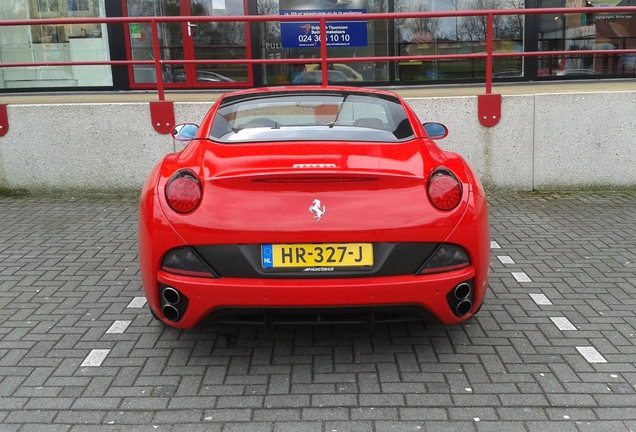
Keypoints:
(294, 193)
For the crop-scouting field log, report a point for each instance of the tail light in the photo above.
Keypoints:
(183, 192)
(447, 257)
(444, 190)
(186, 262)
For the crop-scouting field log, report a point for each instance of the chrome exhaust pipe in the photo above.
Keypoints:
(463, 307)
(170, 312)
(171, 295)
(462, 291)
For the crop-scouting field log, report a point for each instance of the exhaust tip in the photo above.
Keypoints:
(174, 304)
(170, 312)
(460, 298)
(463, 307)
(462, 291)
(171, 295)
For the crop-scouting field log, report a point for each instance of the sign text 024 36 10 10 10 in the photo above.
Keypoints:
(306, 34)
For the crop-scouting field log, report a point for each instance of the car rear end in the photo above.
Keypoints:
(274, 228)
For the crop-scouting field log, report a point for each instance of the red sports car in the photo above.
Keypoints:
(315, 204)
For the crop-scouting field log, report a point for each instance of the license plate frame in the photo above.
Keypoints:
(317, 255)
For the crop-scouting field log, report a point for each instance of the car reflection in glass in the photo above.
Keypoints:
(202, 76)
(315, 77)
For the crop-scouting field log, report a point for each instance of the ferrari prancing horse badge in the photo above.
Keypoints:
(315, 208)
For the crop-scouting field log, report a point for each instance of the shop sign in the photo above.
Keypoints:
(306, 33)
(339, 34)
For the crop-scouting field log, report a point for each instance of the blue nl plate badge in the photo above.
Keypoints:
(267, 257)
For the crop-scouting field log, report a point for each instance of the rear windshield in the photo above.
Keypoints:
(318, 116)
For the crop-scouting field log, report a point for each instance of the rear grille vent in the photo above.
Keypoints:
(314, 179)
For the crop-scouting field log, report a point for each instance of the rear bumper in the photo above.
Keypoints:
(200, 298)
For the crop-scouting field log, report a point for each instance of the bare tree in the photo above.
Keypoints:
(515, 22)
(270, 29)
(377, 6)
(475, 27)
(504, 27)
(10, 9)
(417, 30)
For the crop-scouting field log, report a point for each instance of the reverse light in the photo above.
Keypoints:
(447, 257)
(184, 261)
(183, 192)
(444, 190)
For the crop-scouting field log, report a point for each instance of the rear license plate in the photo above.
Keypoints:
(317, 255)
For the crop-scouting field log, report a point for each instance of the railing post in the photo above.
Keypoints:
(323, 52)
(489, 36)
(4, 120)
(161, 111)
(489, 105)
(156, 52)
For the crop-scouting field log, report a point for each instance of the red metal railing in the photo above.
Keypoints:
(489, 104)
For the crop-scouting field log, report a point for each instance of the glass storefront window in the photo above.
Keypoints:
(583, 32)
(575, 33)
(223, 40)
(200, 41)
(344, 39)
(170, 39)
(54, 43)
(457, 35)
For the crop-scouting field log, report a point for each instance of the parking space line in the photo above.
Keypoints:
(494, 245)
(563, 323)
(521, 277)
(137, 302)
(118, 326)
(591, 355)
(540, 299)
(505, 259)
(95, 358)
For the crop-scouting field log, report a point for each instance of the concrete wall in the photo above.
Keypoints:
(543, 141)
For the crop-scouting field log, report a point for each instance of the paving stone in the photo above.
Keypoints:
(282, 426)
(555, 427)
(227, 415)
(451, 426)
(350, 426)
(30, 417)
(248, 427)
(80, 417)
(177, 416)
(500, 426)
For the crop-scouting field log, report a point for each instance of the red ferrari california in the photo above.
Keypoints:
(312, 204)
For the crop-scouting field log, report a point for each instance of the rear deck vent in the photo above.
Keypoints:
(323, 179)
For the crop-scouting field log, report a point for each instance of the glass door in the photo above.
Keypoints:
(218, 41)
(188, 41)
(140, 40)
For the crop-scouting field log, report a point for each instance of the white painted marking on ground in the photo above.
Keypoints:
(521, 277)
(563, 323)
(591, 355)
(137, 302)
(541, 299)
(505, 259)
(118, 327)
(494, 245)
(95, 358)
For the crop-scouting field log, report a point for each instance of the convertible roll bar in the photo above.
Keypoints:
(162, 112)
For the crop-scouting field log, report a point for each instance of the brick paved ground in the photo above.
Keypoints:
(553, 349)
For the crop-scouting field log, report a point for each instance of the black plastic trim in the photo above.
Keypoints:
(244, 261)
